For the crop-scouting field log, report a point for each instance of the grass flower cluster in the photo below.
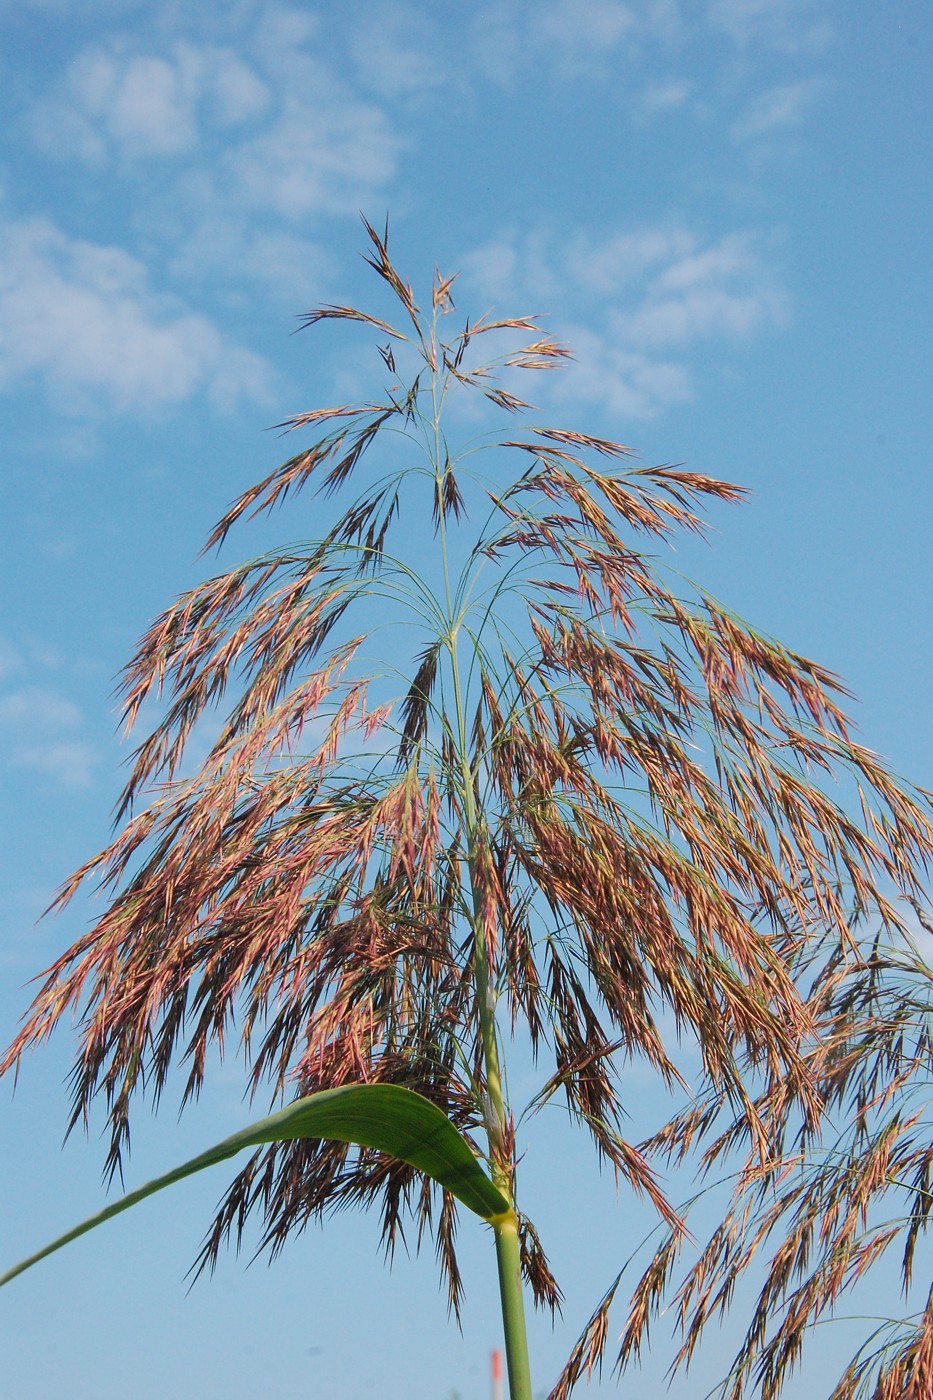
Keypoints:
(486, 770)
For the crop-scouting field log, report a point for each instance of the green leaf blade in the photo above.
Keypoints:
(387, 1117)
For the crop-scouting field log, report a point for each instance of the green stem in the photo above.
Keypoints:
(508, 1255)
(508, 1247)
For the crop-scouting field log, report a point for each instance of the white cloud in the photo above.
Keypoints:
(666, 19)
(666, 96)
(320, 148)
(318, 156)
(145, 105)
(777, 108)
(148, 107)
(720, 291)
(69, 762)
(40, 708)
(253, 140)
(64, 7)
(606, 266)
(510, 266)
(238, 93)
(83, 320)
(599, 24)
(578, 40)
(314, 146)
(627, 382)
(786, 25)
(677, 322)
(399, 52)
(142, 106)
(40, 731)
(293, 269)
(11, 663)
(284, 36)
(652, 296)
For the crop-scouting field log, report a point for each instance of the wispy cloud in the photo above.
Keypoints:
(789, 26)
(40, 729)
(138, 106)
(605, 37)
(607, 266)
(778, 108)
(668, 95)
(116, 104)
(626, 382)
(278, 133)
(84, 321)
(583, 41)
(720, 291)
(238, 134)
(635, 306)
(400, 52)
(292, 268)
(316, 157)
(229, 155)
(78, 8)
(231, 141)
(11, 662)
(604, 23)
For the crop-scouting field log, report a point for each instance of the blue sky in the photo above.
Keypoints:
(724, 206)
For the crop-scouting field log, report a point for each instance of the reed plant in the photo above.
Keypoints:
(488, 771)
(803, 1230)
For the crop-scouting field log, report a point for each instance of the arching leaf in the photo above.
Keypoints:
(385, 1116)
